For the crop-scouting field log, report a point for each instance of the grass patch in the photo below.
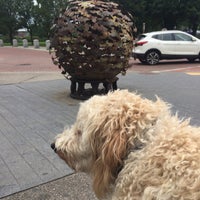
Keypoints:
(42, 44)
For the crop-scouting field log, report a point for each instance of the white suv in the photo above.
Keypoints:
(151, 47)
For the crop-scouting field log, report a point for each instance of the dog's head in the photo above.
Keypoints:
(106, 130)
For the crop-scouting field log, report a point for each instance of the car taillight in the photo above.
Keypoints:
(140, 43)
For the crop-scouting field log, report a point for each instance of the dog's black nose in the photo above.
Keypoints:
(53, 146)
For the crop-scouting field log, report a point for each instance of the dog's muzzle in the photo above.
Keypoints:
(53, 147)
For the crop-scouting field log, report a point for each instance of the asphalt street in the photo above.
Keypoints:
(35, 106)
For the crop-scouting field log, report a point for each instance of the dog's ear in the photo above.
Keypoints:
(119, 127)
(110, 148)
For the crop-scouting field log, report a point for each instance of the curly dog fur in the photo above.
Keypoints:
(133, 148)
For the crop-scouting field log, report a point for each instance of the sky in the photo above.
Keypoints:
(35, 2)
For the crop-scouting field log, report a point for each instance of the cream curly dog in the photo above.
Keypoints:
(133, 148)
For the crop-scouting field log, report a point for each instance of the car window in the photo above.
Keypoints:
(157, 36)
(165, 36)
(142, 36)
(182, 37)
(168, 37)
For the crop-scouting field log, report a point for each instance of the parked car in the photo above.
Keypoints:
(152, 47)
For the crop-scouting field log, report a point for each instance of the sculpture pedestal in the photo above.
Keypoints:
(78, 90)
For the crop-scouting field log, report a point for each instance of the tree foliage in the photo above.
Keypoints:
(9, 22)
(45, 13)
(35, 15)
(170, 14)
(38, 15)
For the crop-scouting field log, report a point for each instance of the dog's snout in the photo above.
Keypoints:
(53, 147)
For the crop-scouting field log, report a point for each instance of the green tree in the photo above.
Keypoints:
(26, 16)
(9, 18)
(38, 15)
(166, 11)
(158, 14)
(191, 12)
(45, 13)
(137, 9)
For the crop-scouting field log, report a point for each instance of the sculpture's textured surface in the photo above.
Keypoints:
(92, 40)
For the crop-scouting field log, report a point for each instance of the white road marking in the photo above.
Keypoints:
(173, 70)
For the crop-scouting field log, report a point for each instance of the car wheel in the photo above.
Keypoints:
(152, 57)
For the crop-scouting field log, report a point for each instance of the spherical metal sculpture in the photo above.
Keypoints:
(92, 42)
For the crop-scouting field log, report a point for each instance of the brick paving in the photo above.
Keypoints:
(22, 59)
(33, 113)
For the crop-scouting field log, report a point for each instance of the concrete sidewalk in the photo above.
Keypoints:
(34, 107)
(72, 187)
(31, 115)
(7, 78)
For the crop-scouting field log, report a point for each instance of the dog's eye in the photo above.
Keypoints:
(78, 133)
